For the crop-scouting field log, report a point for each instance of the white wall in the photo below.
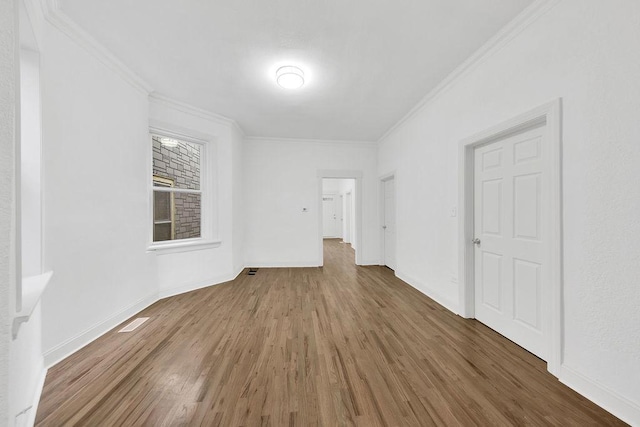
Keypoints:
(587, 53)
(280, 179)
(30, 177)
(238, 208)
(178, 272)
(95, 149)
(27, 363)
(8, 137)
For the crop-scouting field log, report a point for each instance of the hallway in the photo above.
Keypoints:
(338, 345)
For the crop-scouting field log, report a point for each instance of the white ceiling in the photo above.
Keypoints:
(367, 62)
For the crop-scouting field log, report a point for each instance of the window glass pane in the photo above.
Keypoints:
(161, 206)
(162, 232)
(177, 162)
(187, 215)
(176, 216)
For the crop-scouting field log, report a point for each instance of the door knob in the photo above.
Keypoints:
(476, 241)
(384, 227)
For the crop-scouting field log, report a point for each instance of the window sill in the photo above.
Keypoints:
(32, 289)
(183, 246)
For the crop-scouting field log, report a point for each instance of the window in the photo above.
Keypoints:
(177, 189)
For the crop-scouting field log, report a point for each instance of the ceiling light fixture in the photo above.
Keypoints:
(290, 77)
(168, 142)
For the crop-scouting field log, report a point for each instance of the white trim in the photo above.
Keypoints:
(217, 280)
(36, 15)
(160, 99)
(601, 395)
(62, 22)
(381, 201)
(427, 291)
(183, 245)
(175, 190)
(341, 174)
(32, 289)
(208, 190)
(550, 115)
(73, 344)
(333, 142)
(531, 14)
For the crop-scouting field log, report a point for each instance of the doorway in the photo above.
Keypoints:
(340, 210)
(510, 231)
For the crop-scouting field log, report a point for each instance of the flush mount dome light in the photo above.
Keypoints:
(169, 142)
(290, 77)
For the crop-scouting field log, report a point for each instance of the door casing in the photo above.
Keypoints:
(549, 115)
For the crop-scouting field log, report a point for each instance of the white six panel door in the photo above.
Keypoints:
(509, 222)
(329, 219)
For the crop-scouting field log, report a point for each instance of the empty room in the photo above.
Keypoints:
(328, 213)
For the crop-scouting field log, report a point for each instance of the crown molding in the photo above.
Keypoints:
(334, 142)
(36, 16)
(528, 16)
(160, 99)
(59, 20)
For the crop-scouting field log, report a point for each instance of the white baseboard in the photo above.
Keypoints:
(426, 290)
(70, 346)
(165, 293)
(601, 395)
(286, 264)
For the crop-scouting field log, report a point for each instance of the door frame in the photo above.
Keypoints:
(347, 218)
(341, 174)
(548, 115)
(381, 196)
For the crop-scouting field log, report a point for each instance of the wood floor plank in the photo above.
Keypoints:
(335, 346)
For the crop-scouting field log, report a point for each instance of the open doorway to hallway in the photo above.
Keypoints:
(338, 210)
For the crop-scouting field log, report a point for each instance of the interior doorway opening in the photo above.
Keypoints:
(339, 210)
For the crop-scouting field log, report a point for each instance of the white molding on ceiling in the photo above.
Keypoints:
(194, 111)
(52, 13)
(59, 20)
(339, 142)
(528, 16)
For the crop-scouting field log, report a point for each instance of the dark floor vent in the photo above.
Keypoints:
(252, 271)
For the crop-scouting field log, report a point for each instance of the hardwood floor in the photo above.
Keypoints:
(339, 345)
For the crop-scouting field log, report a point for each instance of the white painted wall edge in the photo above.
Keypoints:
(70, 346)
(602, 396)
(428, 291)
(217, 280)
(31, 419)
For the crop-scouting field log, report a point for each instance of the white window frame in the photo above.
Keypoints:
(208, 232)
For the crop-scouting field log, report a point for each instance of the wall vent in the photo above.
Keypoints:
(252, 271)
(133, 325)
